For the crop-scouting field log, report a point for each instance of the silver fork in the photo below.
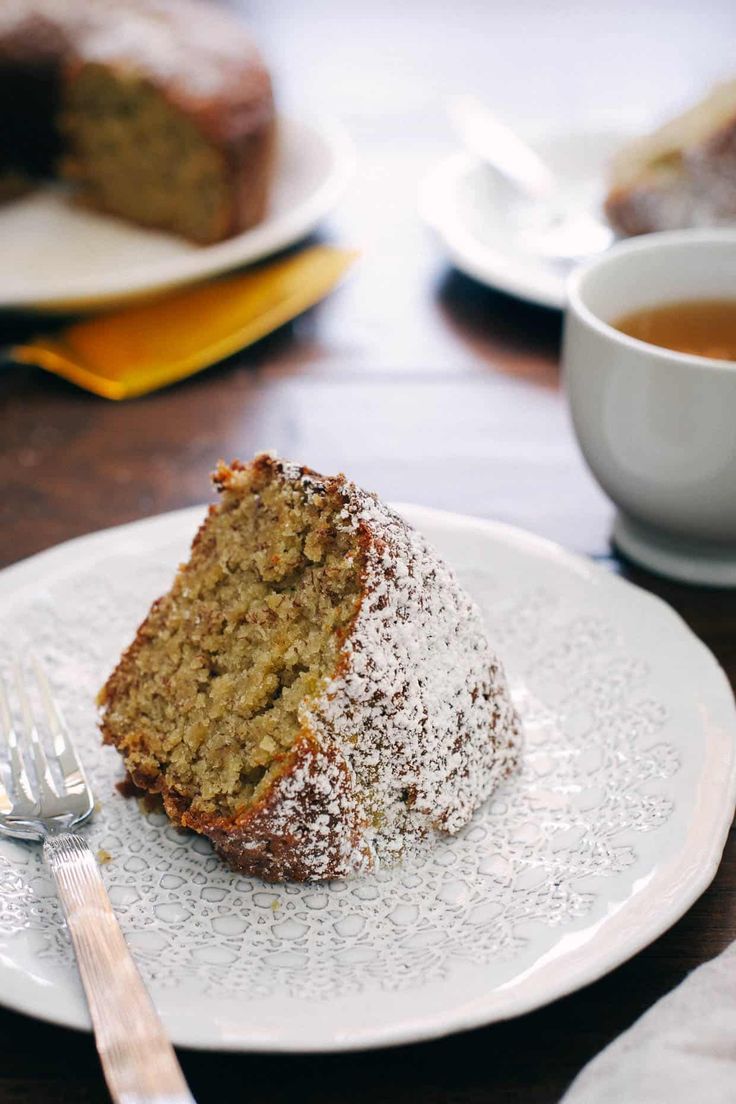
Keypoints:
(137, 1058)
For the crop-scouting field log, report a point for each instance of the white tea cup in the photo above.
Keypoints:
(657, 427)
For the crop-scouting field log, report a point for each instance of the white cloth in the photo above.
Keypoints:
(682, 1050)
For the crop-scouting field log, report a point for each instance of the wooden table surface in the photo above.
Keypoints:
(422, 385)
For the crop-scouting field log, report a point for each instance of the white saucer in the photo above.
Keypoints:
(58, 256)
(614, 825)
(481, 222)
(695, 562)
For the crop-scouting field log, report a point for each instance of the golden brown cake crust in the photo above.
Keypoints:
(270, 840)
(413, 730)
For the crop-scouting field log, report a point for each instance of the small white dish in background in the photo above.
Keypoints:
(657, 427)
(484, 224)
(58, 256)
(610, 830)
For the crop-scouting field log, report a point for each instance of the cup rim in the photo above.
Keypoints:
(643, 243)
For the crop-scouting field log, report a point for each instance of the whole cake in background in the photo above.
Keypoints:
(684, 174)
(316, 692)
(161, 111)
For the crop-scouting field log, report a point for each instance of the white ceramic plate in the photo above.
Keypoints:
(57, 255)
(481, 222)
(613, 827)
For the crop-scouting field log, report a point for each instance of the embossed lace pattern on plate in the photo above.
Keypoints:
(593, 778)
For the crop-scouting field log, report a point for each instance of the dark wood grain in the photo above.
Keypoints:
(422, 385)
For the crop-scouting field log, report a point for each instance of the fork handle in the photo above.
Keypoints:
(137, 1057)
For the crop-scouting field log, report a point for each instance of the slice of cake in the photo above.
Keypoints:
(684, 174)
(316, 692)
(159, 111)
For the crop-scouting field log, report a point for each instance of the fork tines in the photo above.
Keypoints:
(34, 788)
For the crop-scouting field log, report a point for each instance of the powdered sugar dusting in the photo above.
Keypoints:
(422, 713)
(310, 825)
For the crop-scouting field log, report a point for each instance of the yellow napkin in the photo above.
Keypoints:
(138, 349)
